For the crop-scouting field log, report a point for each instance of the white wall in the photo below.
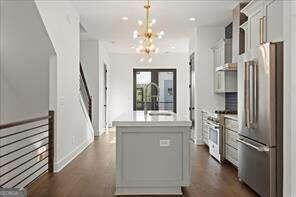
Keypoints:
(293, 97)
(93, 56)
(73, 129)
(289, 98)
(25, 54)
(201, 41)
(121, 80)
(89, 57)
(205, 96)
(24, 87)
(104, 59)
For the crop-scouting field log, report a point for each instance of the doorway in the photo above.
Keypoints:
(105, 96)
(192, 88)
(166, 82)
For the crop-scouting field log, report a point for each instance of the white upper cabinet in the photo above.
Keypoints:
(274, 20)
(265, 18)
(255, 13)
(225, 81)
(222, 52)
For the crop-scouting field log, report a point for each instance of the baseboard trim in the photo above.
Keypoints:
(58, 166)
(199, 143)
(103, 132)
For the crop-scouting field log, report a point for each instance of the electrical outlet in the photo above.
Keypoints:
(62, 101)
(164, 143)
(39, 151)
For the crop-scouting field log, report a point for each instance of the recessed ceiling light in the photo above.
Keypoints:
(133, 47)
(192, 19)
(173, 47)
(125, 18)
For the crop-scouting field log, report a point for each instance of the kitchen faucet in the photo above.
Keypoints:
(146, 96)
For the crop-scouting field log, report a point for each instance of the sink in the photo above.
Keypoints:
(160, 114)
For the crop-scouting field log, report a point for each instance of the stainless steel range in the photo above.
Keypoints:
(215, 137)
(215, 123)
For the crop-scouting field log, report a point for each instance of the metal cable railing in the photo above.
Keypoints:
(26, 151)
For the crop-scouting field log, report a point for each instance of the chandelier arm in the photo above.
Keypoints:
(147, 14)
(147, 35)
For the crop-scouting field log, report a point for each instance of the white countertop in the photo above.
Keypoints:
(137, 118)
(231, 116)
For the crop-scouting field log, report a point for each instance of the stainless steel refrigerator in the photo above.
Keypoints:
(260, 113)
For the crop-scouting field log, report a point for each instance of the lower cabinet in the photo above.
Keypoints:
(205, 138)
(205, 129)
(231, 154)
(231, 138)
(230, 142)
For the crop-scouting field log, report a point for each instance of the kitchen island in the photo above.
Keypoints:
(152, 153)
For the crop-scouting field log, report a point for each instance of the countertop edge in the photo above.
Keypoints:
(233, 117)
(143, 123)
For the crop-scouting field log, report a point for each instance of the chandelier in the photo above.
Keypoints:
(146, 34)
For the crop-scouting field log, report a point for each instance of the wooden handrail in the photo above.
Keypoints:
(22, 122)
(85, 92)
(84, 81)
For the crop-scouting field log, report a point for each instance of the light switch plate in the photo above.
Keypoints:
(164, 142)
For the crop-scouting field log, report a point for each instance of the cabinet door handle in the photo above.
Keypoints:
(261, 30)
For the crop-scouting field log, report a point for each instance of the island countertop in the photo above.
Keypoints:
(138, 118)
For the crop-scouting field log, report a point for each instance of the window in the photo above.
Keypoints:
(166, 82)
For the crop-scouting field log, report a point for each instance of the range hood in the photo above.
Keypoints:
(227, 67)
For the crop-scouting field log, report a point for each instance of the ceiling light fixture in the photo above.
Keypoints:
(150, 60)
(192, 19)
(125, 18)
(146, 34)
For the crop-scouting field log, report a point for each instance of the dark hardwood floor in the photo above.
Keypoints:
(92, 173)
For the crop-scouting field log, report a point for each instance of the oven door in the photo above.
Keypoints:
(214, 134)
(214, 141)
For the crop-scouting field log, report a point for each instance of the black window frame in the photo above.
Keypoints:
(154, 78)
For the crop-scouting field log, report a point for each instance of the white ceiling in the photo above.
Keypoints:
(102, 21)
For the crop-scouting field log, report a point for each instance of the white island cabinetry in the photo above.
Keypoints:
(152, 154)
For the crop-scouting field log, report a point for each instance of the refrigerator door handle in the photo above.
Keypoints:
(250, 93)
(246, 95)
(253, 85)
(258, 148)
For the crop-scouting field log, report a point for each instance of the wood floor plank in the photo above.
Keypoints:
(92, 174)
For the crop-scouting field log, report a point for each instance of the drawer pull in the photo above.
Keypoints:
(258, 148)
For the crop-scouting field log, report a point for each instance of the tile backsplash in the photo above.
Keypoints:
(231, 101)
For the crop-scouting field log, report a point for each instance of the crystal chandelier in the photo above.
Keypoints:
(146, 34)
